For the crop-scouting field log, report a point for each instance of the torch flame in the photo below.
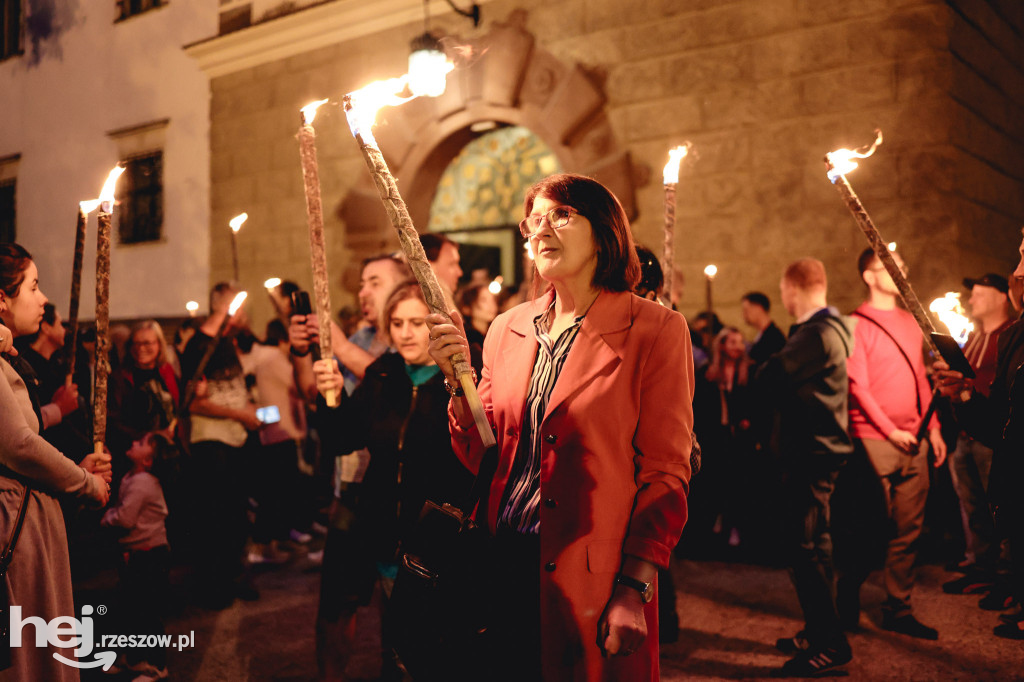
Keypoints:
(106, 198)
(361, 106)
(236, 222)
(309, 111)
(237, 302)
(841, 161)
(710, 271)
(88, 207)
(272, 282)
(951, 313)
(670, 175)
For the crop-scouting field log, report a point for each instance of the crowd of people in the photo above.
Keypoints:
(616, 425)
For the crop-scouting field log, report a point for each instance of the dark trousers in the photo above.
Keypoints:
(143, 589)
(807, 495)
(513, 637)
(218, 518)
(275, 489)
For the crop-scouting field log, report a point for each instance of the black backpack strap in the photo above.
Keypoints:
(913, 374)
(8, 555)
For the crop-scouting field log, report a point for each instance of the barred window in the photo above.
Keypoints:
(140, 196)
(10, 28)
(8, 213)
(129, 8)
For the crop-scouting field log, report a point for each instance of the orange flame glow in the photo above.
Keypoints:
(363, 104)
(237, 302)
(236, 222)
(951, 313)
(841, 161)
(106, 198)
(670, 174)
(309, 111)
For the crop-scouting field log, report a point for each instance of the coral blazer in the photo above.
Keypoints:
(615, 470)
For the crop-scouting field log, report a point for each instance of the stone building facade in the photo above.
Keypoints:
(761, 88)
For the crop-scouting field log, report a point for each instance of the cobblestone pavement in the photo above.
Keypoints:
(730, 614)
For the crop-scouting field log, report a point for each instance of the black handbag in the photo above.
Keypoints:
(436, 616)
(5, 600)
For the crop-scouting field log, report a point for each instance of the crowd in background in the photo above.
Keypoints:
(204, 476)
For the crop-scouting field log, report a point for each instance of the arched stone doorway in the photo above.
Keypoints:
(509, 82)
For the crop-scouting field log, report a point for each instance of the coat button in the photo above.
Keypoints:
(551, 438)
(550, 503)
(549, 566)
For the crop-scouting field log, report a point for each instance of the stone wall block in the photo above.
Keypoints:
(928, 74)
(714, 69)
(728, 108)
(605, 47)
(638, 82)
(675, 116)
(574, 100)
(507, 55)
(543, 74)
(990, 23)
(661, 37)
(975, 49)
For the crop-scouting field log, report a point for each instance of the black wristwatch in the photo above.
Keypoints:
(646, 590)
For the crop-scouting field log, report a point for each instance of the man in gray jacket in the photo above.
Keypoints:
(807, 382)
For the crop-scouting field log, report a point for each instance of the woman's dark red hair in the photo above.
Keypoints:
(618, 268)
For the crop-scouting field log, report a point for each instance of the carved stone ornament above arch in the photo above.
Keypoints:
(508, 80)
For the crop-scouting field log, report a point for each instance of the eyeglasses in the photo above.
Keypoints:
(557, 217)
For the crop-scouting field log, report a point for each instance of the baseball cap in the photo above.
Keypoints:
(988, 280)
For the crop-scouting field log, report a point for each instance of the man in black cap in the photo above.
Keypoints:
(997, 419)
(971, 461)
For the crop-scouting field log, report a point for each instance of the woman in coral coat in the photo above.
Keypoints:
(589, 390)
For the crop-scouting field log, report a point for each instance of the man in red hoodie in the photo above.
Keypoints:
(889, 394)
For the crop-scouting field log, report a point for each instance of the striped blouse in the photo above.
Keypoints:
(521, 500)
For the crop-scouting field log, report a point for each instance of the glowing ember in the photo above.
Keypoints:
(236, 222)
(237, 302)
(309, 111)
(841, 161)
(951, 313)
(272, 283)
(710, 271)
(670, 174)
(106, 199)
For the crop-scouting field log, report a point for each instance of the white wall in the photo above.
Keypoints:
(59, 100)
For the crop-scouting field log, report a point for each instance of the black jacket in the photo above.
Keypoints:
(807, 384)
(997, 420)
(405, 429)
